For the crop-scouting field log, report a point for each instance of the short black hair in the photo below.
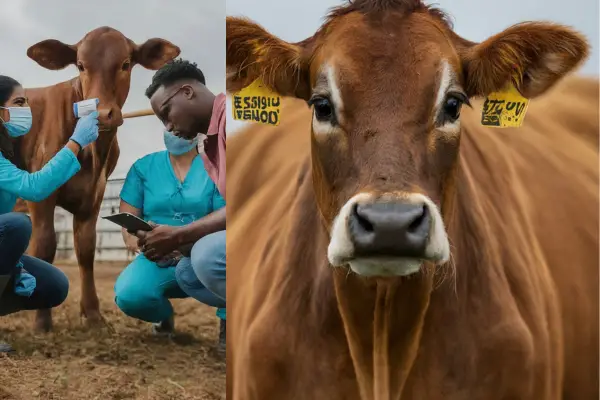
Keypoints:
(173, 71)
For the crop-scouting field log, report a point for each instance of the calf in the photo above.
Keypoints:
(104, 58)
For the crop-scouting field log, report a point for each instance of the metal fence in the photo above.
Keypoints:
(109, 242)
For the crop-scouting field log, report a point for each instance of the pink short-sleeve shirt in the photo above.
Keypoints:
(214, 145)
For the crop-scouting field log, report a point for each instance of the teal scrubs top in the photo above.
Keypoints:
(36, 186)
(152, 187)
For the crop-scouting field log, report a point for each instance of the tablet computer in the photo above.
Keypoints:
(129, 222)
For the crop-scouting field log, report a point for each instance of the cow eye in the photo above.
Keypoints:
(452, 106)
(126, 66)
(323, 109)
(80, 66)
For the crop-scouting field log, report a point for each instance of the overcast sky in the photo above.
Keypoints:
(295, 20)
(196, 26)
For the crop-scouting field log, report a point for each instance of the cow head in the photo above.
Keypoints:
(387, 80)
(104, 58)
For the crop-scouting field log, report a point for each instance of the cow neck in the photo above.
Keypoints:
(382, 321)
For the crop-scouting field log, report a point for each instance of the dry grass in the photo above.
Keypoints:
(77, 362)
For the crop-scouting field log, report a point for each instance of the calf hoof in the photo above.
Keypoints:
(92, 317)
(43, 321)
(95, 320)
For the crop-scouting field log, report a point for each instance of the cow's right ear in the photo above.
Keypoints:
(535, 55)
(53, 54)
(154, 53)
(253, 53)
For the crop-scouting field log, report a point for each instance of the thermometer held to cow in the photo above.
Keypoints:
(85, 107)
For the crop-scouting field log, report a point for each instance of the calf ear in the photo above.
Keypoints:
(253, 53)
(155, 53)
(534, 54)
(53, 54)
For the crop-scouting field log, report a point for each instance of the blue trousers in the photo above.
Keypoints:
(143, 289)
(203, 275)
(52, 286)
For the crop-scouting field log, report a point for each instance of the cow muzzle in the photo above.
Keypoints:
(388, 235)
(109, 118)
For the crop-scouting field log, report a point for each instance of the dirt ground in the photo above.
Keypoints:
(76, 362)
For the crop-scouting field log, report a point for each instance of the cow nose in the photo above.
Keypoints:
(390, 229)
(110, 117)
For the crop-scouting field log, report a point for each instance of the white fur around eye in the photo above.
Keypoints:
(329, 85)
(447, 78)
(322, 128)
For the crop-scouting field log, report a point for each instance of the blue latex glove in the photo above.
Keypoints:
(86, 130)
(24, 282)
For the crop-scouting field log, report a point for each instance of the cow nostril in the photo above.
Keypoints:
(418, 221)
(110, 114)
(363, 222)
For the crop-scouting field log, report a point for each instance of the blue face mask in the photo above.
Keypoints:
(19, 122)
(176, 145)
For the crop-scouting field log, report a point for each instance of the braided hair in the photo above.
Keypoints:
(7, 86)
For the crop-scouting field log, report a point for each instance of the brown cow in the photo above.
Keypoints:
(462, 271)
(105, 58)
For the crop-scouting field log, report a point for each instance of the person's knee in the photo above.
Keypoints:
(208, 261)
(186, 277)
(51, 286)
(59, 291)
(141, 304)
(18, 228)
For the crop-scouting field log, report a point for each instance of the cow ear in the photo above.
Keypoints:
(535, 55)
(253, 53)
(155, 53)
(53, 54)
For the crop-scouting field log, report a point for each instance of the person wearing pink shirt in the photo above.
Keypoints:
(187, 108)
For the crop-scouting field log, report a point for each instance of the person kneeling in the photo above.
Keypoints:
(168, 188)
(28, 283)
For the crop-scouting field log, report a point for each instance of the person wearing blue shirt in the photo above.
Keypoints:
(165, 188)
(27, 283)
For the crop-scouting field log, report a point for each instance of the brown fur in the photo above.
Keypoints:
(514, 315)
(102, 52)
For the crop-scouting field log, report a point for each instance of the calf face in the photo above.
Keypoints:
(104, 58)
(387, 80)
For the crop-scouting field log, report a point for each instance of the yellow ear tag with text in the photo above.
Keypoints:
(256, 103)
(505, 109)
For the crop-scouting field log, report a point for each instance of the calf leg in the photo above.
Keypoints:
(43, 246)
(84, 230)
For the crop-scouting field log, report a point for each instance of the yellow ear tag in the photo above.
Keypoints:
(256, 103)
(505, 109)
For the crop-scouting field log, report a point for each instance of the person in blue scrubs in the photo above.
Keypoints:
(27, 283)
(166, 188)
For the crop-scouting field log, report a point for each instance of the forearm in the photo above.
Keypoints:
(214, 222)
(39, 185)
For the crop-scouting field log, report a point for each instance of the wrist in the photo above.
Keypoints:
(73, 146)
(180, 236)
(77, 143)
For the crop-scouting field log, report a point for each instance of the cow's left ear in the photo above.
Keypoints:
(53, 54)
(534, 54)
(155, 53)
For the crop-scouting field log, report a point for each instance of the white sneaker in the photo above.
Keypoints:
(6, 348)
(164, 328)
